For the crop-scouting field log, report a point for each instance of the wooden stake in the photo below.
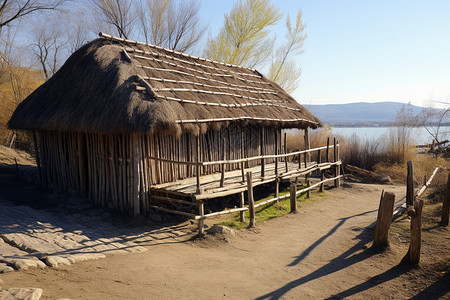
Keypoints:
(201, 222)
(293, 196)
(262, 152)
(285, 151)
(197, 167)
(308, 184)
(322, 177)
(413, 254)
(251, 202)
(328, 150)
(241, 205)
(446, 204)
(410, 185)
(222, 176)
(384, 219)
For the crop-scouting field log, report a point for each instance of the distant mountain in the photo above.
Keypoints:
(360, 113)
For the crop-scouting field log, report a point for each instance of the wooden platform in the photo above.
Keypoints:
(233, 182)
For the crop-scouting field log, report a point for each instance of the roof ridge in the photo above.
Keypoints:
(108, 36)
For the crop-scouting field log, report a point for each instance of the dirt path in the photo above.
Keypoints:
(319, 252)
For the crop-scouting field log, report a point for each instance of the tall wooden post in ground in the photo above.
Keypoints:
(307, 155)
(135, 173)
(413, 255)
(293, 196)
(251, 201)
(277, 182)
(241, 205)
(337, 172)
(384, 219)
(410, 185)
(446, 204)
(201, 222)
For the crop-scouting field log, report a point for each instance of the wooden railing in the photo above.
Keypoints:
(305, 153)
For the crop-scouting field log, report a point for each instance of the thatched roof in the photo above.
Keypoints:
(117, 85)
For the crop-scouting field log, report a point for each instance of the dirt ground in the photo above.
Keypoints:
(323, 251)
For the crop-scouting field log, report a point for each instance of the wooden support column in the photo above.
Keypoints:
(308, 184)
(197, 166)
(241, 205)
(293, 196)
(251, 201)
(201, 222)
(328, 150)
(262, 151)
(285, 152)
(277, 183)
(337, 170)
(307, 146)
(384, 220)
(338, 167)
(413, 254)
(410, 184)
(322, 178)
(242, 171)
(222, 176)
(135, 171)
(446, 204)
(38, 160)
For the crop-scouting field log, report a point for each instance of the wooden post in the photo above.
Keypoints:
(446, 204)
(413, 254)
(293, 196)
(277, 183)
(241, 204)
(201, 222)
(251, 201)
(384, 219)
(410, 185)
(38, 160)
(338, 167)
(285, 152)
(222, 176)
(262, 152)
(337, 170)
(328, 150)
(307, 146)
(308, 184)
(197, 166)
(322, 178)
(242, 171)
(319, 159)
(135, 170)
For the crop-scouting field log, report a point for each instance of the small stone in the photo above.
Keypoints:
(221, 229)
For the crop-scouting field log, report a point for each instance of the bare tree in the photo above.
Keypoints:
(49, 45)
(432, 119)
(171, 24)
(11, 10)
(120, 14)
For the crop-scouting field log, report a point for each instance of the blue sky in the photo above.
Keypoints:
(368, 51)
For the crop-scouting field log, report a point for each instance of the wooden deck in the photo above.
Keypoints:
(234, 180)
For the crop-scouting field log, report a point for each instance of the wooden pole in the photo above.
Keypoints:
(384, 219)
(262, 152)
(322, 177)
(308, 184)
(201, 222)
(38, 160)
(242, 171)
(328, 150)
(277, 183)
(446, 204)
(413, 254)
(222, 176)
(241, 205)
(293, 196)
(285, 151)
(251, 202)
(135, 170)
(410, 185)
(307, 146)
(197, 166)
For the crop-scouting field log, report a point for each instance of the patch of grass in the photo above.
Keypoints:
(272, 210)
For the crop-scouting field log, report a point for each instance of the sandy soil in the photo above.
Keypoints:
(320, 252)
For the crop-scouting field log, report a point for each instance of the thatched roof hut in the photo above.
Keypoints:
(121, 118)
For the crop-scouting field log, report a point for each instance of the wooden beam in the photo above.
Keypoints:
(293, 196)
(241, 205)
(410, 184)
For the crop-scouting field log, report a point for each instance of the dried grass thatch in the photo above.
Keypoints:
(116, 85)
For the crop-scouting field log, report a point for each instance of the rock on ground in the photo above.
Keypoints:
(21, 293)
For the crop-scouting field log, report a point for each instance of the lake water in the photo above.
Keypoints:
(420, 134)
